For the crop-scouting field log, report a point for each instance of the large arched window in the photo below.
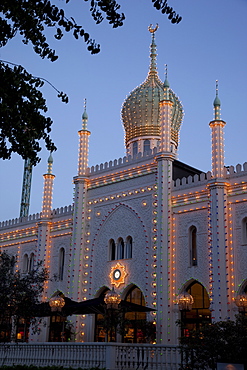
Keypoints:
(112, 250)
(128, 247)
(120, 249)
(146, 146)
(244, 230)
(136, 321)
(135, 148)
(200, 312)
(61, 263)
(193, 245)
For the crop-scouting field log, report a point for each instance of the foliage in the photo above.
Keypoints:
(19, 293)
(23, 123)
(223, 341)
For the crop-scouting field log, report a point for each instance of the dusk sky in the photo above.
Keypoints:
(208, 44)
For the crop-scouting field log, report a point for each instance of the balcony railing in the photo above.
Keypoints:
(112, 356)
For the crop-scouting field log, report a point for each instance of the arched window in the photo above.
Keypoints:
(112, 250)
(146, 146)
(120, 249)
(193, 245)
(61, 263)
(244, 230)
(135, 148)
(135, 327)
(128, 247)
(25, 264)
(31, 262)
(200, 312)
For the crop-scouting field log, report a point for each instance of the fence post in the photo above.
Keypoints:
(110, 357)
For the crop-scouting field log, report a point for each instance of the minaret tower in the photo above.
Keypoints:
(217, 129)
(48, 190)
(164, 277)
(78, 285)
(219, 283)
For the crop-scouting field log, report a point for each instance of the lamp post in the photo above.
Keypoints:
(185, 302)
(112, 300)
(56, 302)
(241, 302)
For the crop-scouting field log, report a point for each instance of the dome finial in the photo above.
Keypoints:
(217, 102)
(84, 116)
(166, 83)
(153, 54)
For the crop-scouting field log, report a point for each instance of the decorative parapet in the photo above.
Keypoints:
(36, 217)
(232, 171)
(20, 220)
(192, 180)
(121, 162)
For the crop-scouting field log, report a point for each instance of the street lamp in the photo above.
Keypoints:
(241, 302)
(112, 300)
(56, 302)
(185, 301)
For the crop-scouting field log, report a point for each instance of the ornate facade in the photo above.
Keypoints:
(148, 224)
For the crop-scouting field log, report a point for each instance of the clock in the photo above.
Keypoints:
(118, 274)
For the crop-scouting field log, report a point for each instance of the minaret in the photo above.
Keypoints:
(217, 129)
(78, 265)
(48, 190)
(165, 271)
(83, 145)
(219, 282)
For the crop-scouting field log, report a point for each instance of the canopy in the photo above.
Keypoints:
(95, 305)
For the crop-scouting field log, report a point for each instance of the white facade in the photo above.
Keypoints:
(177, 227)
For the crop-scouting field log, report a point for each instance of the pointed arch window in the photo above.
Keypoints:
(244, 230)
(31, 262)
(25, 264)
(129, 247)
(61, 263)
(120, 249)
(193, 245)
(146, 146)
(112, 250)
(200, 312)
(135, 148)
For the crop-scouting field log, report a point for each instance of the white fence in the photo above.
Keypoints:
(112, 356)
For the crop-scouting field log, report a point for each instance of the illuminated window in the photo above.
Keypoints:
(244, 230)
(128, 247)
(112, 250)
(193, 245)
(146, 146)
(61, 263)
(135, 148)
(25, 264)
(120, 249)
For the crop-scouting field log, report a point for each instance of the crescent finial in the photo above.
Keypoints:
(152, 30)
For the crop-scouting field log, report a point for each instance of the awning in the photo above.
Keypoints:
(90, 306)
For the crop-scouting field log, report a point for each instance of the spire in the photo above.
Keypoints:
(83, 143)
(48, 189)
(217, 103)
(166, 85)
(153, 55)
(84, 116)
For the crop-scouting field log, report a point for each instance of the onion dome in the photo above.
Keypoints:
(140, 110)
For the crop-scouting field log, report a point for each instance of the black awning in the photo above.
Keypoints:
(90, 306)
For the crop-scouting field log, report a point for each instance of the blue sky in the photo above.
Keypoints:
(209, 44)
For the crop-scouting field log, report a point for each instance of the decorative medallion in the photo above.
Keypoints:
(117, 275)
